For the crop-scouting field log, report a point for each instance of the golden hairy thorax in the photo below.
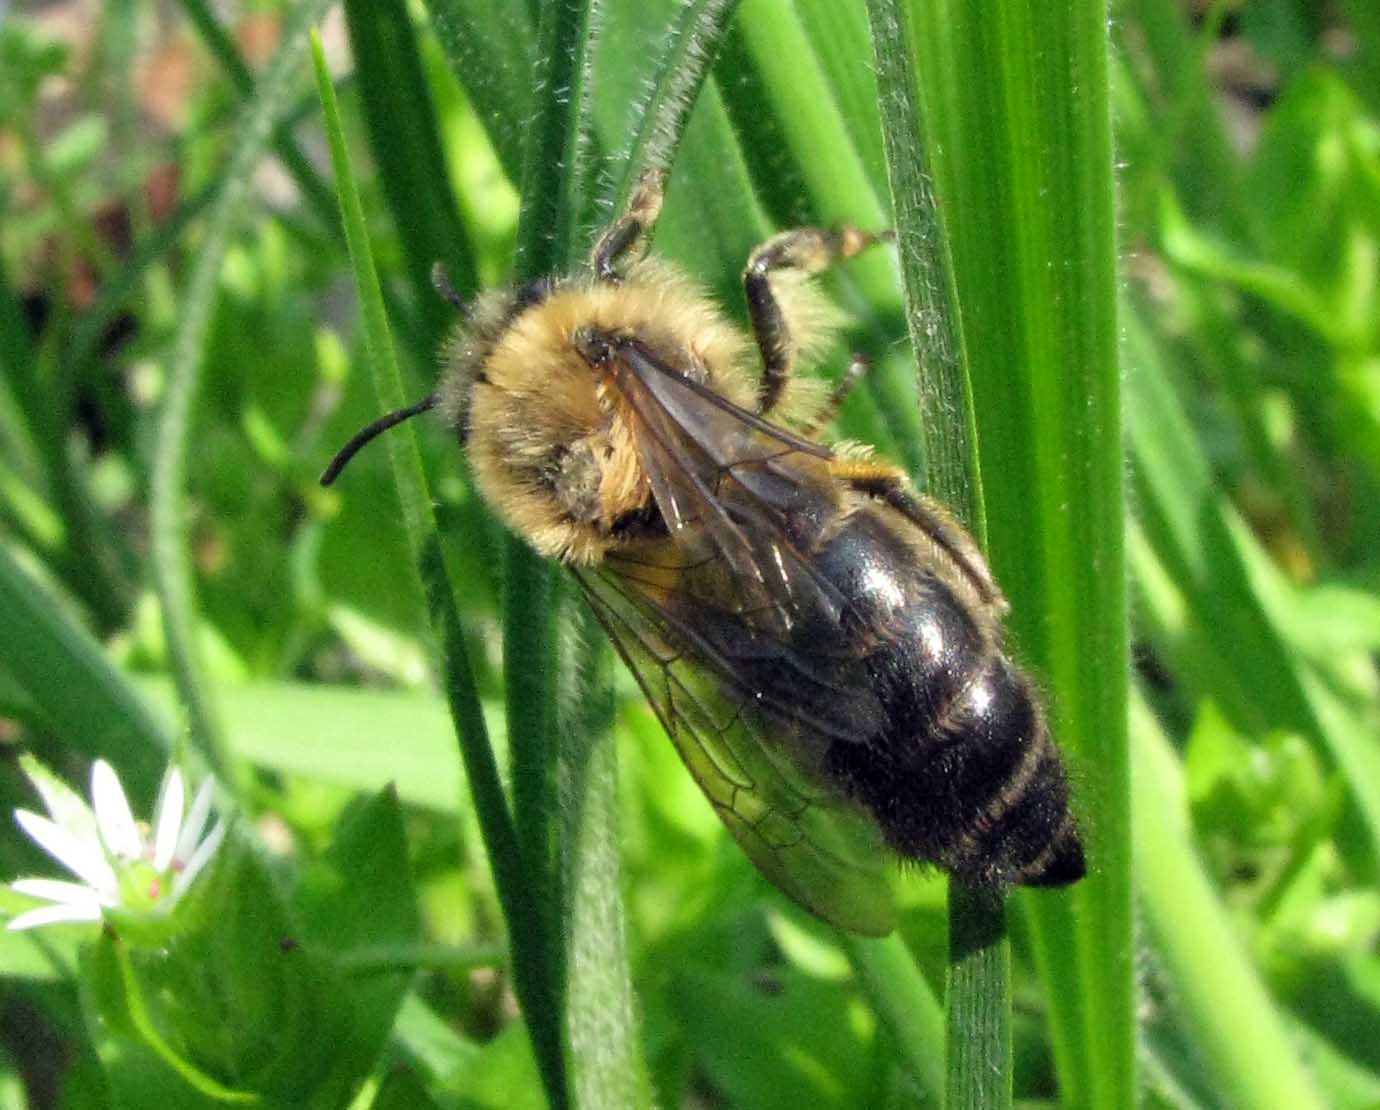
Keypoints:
(550, 449)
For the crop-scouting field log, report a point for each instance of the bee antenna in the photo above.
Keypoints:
(371, 431)
(440, 281)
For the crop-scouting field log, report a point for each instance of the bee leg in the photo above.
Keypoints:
(627, 236)
(858, 366)
(808, 250)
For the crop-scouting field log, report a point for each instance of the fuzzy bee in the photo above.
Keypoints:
(822, 644)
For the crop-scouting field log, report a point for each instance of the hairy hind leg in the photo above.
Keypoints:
(627, 236)
(806, 250)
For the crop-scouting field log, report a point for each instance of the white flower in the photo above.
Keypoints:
(123, 867)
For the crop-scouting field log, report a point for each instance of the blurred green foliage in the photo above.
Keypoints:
(1248, 134)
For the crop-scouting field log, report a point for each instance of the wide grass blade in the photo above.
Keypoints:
(1017, 129)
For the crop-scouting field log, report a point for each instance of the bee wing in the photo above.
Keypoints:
(733, 489)
(755, 767)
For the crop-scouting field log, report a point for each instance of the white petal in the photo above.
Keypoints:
(118, 830)
(167, 819)
(65, 806)
(196, 820)
(54, 890)
(52, 915)
(85, 859)
(200, 858)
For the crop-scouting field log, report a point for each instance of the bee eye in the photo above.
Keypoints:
(594, 346)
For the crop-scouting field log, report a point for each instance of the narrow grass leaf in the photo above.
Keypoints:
(403, 135)
(533, 976)
(554, 192)
(979, 988)
(906, 1005)
(168, 509)
(606, 1068)
(491, 46)
(1237, 1027)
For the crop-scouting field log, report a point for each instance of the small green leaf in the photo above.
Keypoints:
(357, 896)
(784, 1041)
(402, 1090)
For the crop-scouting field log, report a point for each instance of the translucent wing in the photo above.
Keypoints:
(751, 722)
(740, 497)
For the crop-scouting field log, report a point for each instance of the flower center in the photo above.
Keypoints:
(142, 887)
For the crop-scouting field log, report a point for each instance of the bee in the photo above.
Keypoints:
(823, 645)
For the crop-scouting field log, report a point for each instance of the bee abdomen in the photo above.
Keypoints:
(976, 787)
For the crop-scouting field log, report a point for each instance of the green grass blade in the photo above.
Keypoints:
(978, 1001)
(533, 976)
(1018, 134)
(491, 45)
(606, 1069)
(946, 407)
(689, 51)
(979, 978)
(554, 191)
(84, 699)
(556, 168)
(1235, 1023)
(403, 135)
(167, 511)
(906, 1005)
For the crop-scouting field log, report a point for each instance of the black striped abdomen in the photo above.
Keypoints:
(963, 772)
